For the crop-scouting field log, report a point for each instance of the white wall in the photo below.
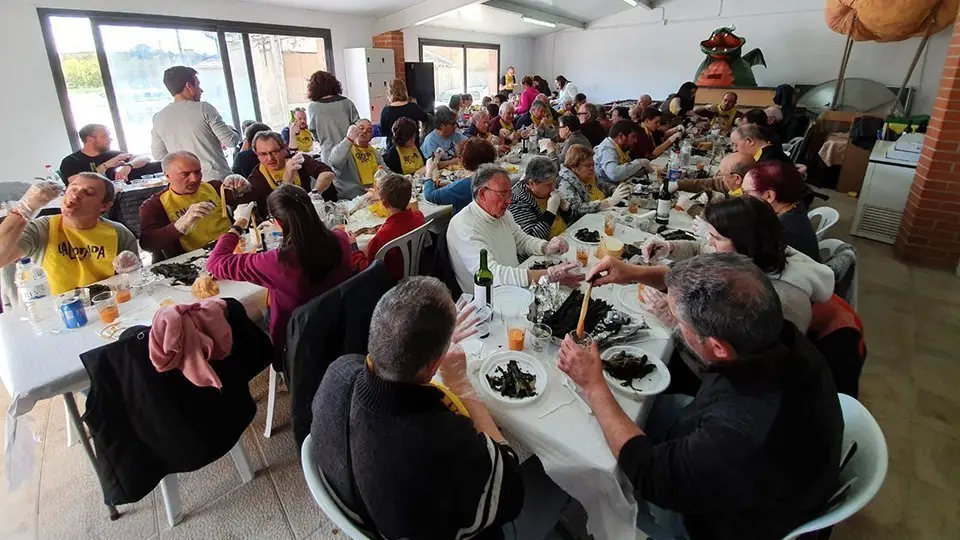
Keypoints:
(653, 52)
(514, 51)
(30, 104)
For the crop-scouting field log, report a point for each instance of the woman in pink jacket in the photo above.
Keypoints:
(310, 261)
(528, 95)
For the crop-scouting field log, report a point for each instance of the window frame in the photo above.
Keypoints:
(464, 45)
(220, 27)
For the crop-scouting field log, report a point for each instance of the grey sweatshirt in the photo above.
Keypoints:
(194, 126)
(328, 120)
(347, 180)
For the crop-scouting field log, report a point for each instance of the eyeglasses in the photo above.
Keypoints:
(583, 114)
(277, 153)
(498, 192)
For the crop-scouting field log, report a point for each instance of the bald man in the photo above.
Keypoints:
(644, 101)
(189, 214)
(727, 182)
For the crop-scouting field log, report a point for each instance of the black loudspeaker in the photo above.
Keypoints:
(420, 84)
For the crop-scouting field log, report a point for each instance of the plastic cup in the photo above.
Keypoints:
(515, 337)
(107, 308)
(583, 254)
(609, 225)
(121, 285)
(540, 335)
(633, 206)
(584, 341)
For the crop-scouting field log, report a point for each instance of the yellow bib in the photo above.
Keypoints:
(207, 229)
(506, 126)
(450, 400)
(410, 159)
(725, 117)
(558, 224)
(735, 192)
(366, 161)
(275, 178)
(757, 154)
(594, 190)
(304, 140)
(509, 81)
(622, 156)
(76, 258)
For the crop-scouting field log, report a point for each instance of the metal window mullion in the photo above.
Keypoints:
(228, 75)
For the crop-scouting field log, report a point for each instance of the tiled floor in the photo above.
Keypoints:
(912, 319)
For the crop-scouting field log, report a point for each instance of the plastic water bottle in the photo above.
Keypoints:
(51, 175)
(34, 290)
(675, 168)
(686, 152)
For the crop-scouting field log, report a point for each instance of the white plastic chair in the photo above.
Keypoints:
(828, 218)
(324, 497)
(827, 248)
(170, 485)
(863, 467)
(410, 245)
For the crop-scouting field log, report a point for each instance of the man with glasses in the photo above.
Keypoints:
(593, 130)
(503, 125)
(192, 125)
(485, 224)
(189, 214)
(728, 182)
(278, 166)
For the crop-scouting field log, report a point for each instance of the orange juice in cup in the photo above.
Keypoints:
(583, 255)
(106, 304)
(609, 225)
(515, 336)
(122, 286)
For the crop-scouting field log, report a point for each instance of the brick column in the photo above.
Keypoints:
(930, 230)
(393, 40)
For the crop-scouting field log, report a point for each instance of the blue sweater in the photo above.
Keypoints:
(449, 144)
(459, 194)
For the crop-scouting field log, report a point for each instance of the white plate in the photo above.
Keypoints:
(511, 301)
(527, 363)
(573, 236)
(654, 383)
(631, 302)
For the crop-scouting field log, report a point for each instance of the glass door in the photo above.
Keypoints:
(282, 65)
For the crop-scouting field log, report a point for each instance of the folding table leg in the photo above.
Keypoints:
(72, 435)
(74, 414)
(271, 402)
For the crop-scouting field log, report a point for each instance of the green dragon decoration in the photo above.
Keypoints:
(724, 65)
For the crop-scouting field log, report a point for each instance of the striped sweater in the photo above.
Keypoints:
(529, 216)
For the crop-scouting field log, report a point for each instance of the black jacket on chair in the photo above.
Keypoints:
(324, 329)
(146, 424)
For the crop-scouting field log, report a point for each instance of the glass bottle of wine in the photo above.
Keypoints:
(483, 282)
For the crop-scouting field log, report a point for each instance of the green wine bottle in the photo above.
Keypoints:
(483, 282)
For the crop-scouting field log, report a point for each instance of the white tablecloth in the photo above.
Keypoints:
(569, 440)
(35, 366)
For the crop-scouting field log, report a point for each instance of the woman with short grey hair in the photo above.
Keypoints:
(535, 202)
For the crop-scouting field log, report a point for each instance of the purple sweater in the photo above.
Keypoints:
(286, 284)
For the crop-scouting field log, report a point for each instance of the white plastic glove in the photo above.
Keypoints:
(195, 213)
(686, 202)
(126, 262)
(553, 203)
(237, 183)
(656, 303)
(556, 246)
(645, 163)
(676, 136)
(36, 197)
(656, 248)
(568, 274)
(438, 155)
(620, 193)
(431, 166)
(242, 213)
(353, 132)
(700, 228)
(294, 163)
(680, 129)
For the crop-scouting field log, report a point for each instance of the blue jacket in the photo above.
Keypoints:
(607, 162)
(459, 194)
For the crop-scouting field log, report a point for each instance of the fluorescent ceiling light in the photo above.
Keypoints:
(538, 22)
(631, 2)
(435, 17)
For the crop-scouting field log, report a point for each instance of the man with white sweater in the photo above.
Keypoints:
(191, 125)
(486, 224)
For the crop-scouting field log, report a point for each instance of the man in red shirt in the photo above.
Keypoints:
(395, 191)
(648, 145)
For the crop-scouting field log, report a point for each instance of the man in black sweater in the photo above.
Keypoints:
(411, 458)
(756, 453)
(96, 156)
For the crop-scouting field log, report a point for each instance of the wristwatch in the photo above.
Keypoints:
(237, 229)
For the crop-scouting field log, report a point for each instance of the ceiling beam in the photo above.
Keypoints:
(512, 7)
(410, 16)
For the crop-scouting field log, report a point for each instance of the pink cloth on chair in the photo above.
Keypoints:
(188, 336)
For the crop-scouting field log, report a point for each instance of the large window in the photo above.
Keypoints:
(462, 68)
(109, 67)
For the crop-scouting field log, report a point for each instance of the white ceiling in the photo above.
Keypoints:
(581, 10)
(366, 8)
(480, 18)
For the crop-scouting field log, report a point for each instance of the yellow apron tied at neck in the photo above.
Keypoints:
(78, 257)
(205, 230)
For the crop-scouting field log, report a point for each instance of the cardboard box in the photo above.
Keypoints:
(855, 159)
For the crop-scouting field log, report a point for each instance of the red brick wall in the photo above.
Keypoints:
(930, 230)
(392, 40)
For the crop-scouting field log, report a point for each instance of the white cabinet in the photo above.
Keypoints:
(368, 76)
(886, 186)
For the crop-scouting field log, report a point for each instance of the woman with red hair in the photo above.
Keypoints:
(780, 185)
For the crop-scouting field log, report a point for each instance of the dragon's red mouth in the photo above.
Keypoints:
(721, 43)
